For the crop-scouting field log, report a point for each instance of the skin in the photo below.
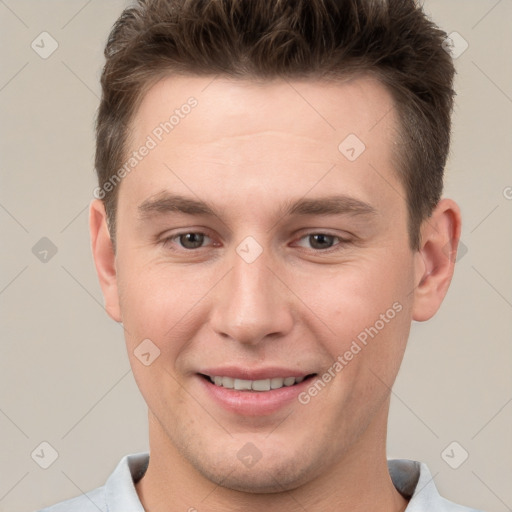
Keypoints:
(248, 150)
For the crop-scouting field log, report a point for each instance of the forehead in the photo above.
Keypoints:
(278, 135)
(355, 104)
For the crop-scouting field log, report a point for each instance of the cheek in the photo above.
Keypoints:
(367, 302)
(160, 303)
(158, 308)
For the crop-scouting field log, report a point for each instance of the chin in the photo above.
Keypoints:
(263, 478)
(274, 469)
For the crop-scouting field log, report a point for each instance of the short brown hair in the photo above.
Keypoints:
(265, 39)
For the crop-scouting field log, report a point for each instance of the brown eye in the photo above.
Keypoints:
(191, 240)
(321, 241)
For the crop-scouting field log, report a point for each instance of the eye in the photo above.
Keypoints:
(189, 241)
(319, 241)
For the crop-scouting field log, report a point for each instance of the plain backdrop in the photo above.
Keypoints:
(65, 377)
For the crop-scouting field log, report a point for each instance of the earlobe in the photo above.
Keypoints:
(435, 259)
(104, 258)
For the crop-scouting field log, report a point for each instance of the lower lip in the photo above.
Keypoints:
(254, 403)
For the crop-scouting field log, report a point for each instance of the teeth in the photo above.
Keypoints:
(242, 385)
(276, 383)
(227, 382)
(255, 385)
(261, 385)
(289, 381)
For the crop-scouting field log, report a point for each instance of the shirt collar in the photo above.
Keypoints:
(120, 492)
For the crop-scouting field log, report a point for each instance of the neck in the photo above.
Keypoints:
(358, 482)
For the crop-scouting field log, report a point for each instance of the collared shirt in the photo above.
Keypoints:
(412, 479)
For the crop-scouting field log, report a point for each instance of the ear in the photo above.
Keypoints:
(104, 258)
(435, 259)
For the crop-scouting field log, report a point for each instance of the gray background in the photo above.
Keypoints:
(64, 373)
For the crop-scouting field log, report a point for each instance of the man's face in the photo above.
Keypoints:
(249, 246)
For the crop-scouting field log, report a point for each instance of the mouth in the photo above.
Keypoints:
(253, 392)
(259, 386)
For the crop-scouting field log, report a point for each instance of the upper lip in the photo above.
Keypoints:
(253, 373)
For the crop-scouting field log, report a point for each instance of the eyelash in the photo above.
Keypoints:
(340, 241)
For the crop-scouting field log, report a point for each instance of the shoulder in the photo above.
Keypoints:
(426, 480)
(414, 481)
(453, 507)
(118, 493)
(93, 501)
(448, 506)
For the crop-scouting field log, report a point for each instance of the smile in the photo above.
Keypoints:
(253, 392)
(254, 385)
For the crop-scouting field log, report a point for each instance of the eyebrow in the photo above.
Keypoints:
(169, 203)
(330, 205)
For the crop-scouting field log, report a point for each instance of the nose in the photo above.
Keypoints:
(251, 303)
